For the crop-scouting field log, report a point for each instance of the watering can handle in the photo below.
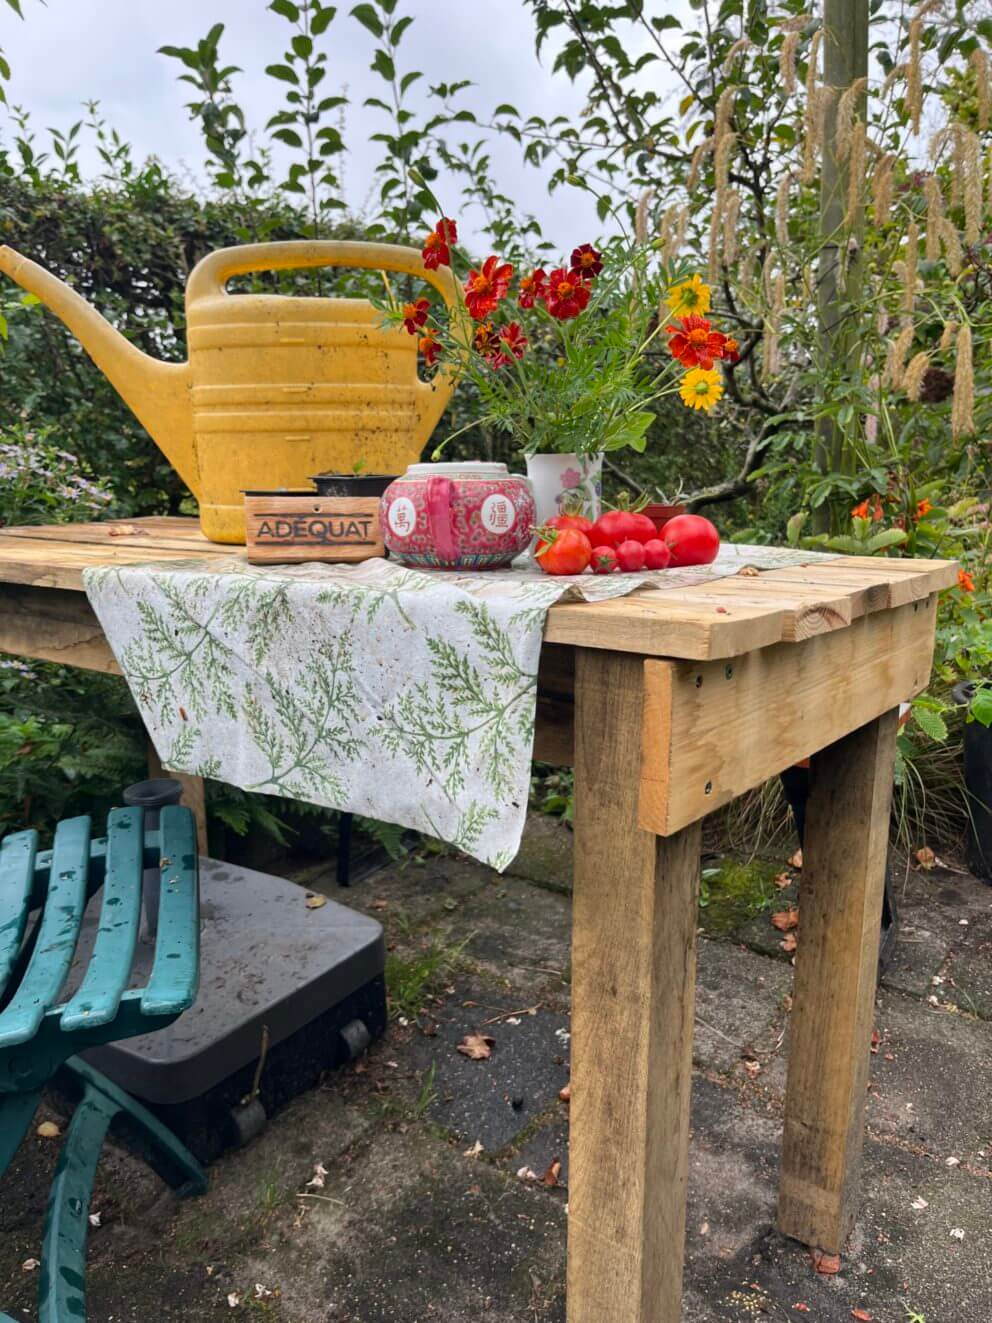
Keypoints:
(210, 276)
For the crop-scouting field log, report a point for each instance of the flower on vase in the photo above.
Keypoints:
(688, 296)
(415, 314)
(586, 261)
(566, 294)
(695, 344)
(570, 478)
(484, 289)
(701, 389)
(437, 246)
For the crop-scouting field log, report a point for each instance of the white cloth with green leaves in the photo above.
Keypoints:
(398, 694)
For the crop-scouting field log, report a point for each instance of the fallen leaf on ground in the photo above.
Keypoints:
(862, 1315)
(379, 904)
(925, 857)
(919, 1204)
(797, 860)
(752, 1067)
(315, 902)
(786, 920)
(319, 1177)
(526, 1174)
(474, 1151)
(48, 1130)
(748, 572)
(952, 1162)
(566, 1093)
(477, 1047)
(876, 1039)
(263, 1292)
(550, 1177)
(782, 880)
(125, 530)
(800, 1308)
(827, 1264)
(95, 1219)
(957, 1233)
(789, 942)
(29, 1265)
(234, 1299)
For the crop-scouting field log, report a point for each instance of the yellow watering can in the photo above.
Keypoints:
(276, 387)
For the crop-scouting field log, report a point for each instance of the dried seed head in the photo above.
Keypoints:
(953, 253)
(782, 209)
(896, 358)
(771, 358)
(738, 48)
(724, 154)
(696, 164)
(958, 132)
(971, 160)
(897, 72)
(716, 232)
(914, 75)
(947, 335)
(883, 179)
(787, 62)
(935, 214)
(666, 230)
(746, 273)
(855, 172)
(813, 63)
(724, 112)
(847, 108)
(912, 381)
(963, 404)
(979, 62)
(909, 266)
(641, 217)
(731, 216)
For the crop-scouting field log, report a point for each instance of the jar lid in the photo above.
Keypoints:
(466, 468)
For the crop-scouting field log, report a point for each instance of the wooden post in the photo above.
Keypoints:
(633, 990)
(194, 794)
(840, 908)
(845, 60)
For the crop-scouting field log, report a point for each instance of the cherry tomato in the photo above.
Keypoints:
(657, 556)
(691, 539)
(563, 550)
(630, 555)
(604, 560)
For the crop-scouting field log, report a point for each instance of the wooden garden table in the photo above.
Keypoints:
(669, 704)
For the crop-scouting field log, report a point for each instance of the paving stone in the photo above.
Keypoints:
(521, 934)
(931, 906)
(969, 971)
(546, 852)
(739, 998)
(933, 1052)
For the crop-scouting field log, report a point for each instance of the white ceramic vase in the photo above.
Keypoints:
(561, 481)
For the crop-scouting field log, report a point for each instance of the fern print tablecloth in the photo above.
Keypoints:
(393, 693)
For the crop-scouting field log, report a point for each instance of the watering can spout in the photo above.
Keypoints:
(158, 393)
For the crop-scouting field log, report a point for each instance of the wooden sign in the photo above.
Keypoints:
(301, 526)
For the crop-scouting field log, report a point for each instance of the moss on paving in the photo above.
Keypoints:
(733, 891)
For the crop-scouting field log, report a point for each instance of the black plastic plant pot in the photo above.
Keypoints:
(978, 786)
(352, 484)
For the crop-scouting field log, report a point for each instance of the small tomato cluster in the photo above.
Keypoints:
(624, 540)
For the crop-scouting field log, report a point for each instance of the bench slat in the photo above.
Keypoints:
(176, 968)
(60, 920)
(99, 996)
(17, 857)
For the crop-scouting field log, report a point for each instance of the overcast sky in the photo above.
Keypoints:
(68, 51)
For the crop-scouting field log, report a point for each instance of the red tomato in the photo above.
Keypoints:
(691, 539)
(563, 550)
(630, 555)
(604, 560)
(611, 528)
(644, 528)
(656, 554)
(577, 521)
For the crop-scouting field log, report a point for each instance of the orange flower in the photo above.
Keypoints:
(436, 250)
(415, 314)
(586, 261)
(532, 288)
(694, 344)
(565, 294)
(965, 582)
(429, 347)
(485, 340)
(512, 344)
(869, 509)
(923, 508)
(860, 511)
(731, 350)
(485, 288)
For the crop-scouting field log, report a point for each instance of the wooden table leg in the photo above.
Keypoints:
(633, 991)
(194, 794)
(840, 906)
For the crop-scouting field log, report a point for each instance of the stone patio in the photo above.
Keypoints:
(443, 1198)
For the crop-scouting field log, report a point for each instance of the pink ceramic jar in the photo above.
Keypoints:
(463, 516)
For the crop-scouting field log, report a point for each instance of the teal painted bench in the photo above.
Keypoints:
(43, 896)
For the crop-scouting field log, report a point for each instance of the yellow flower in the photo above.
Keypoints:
(689, 296)
(701, 390)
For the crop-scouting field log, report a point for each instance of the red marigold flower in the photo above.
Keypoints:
(485, 288)
(731, 350)
(923, 508)
(429, 347)
(532, 288)
(485, 340)
(415, 314)
(565, 294)
(586, 261)
(437, 246)
(694, 344)
(869, 509)
(965, 582)
(512, 344)
(860, 511)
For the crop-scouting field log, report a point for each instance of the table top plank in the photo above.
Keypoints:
(724, 618)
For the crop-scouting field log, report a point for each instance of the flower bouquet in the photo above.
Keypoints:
(570, 360)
